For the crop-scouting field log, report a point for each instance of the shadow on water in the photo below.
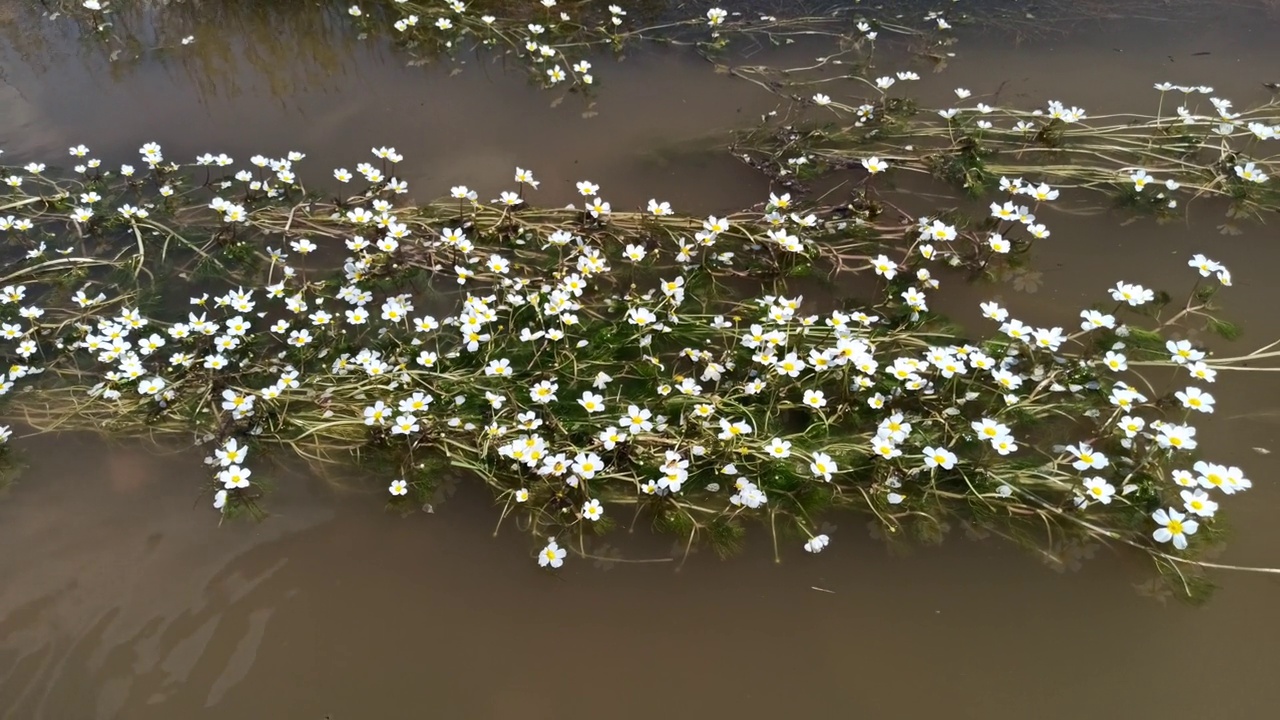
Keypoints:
(122, 598)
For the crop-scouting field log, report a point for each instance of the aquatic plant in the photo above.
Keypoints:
(598, 365)
(555, 43)
(1189, 149)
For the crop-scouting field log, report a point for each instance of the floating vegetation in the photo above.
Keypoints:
(554, 42)
(595, 365)
(598, 365)
(1196, 145)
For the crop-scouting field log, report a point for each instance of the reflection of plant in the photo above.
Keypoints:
(1021, 278)
(10, 466)
(605, 556)
(219, 47)
(1156, 589)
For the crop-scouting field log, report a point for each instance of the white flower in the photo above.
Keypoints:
(234, 477)
(398, 488)
(659, 208)
(1099, 490)
(591, 402)
(592, 510)
(231, 453)
(544, 391)
(1086, 457)
(1173, 527)
(1196, 399)
(405, 425)
(939, 457)
(874, 165)
(1176, 437)
(586, 465)
(817, 543)
(1182, 352)
(636, 420)
(1197, 502)
(823, 466)
(1250, 173)
(814, 398)
(552, 555)
(779, 448)
(1131, 294)
(885, 267)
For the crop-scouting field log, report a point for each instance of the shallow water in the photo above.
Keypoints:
(121, 597)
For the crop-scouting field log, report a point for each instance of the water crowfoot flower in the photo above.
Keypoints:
(552, 555)
(822, 466)
(234, 477)
(874, 165)
(817, 543)
(1099, 490)
(935, 457)
(1198, 503)
(1249, 172)
(1086, 458)
(1174, 526)
(1194, 398)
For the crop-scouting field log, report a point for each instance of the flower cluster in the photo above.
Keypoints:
(1203, 149)
(582, 359)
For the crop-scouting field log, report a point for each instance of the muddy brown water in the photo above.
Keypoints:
(122, 597)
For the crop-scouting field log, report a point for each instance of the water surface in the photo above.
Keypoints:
(122, 598)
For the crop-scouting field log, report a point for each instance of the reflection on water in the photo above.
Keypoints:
(120, 586)
(120, 598)
(126, 602)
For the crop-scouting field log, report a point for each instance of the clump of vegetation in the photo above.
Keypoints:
(1149, 162)
(594, 365)
(554, 42)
